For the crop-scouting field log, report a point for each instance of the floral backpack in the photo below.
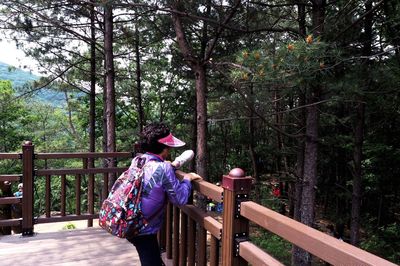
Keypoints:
(121, 213)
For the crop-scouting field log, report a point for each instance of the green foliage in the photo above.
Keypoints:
(274, 245)
(291, 64)
(384, 242)
(12, 113)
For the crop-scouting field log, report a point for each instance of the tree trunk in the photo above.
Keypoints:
(307, 210)
(297, 253)
(72, 128)
(201, 110)
(199, 70)
(110, 90)
(252, 152)
(138, 81)
(357, 175)
(302, 18)
(92, 95)
(279, 144)
(300, 161)
(359, 137)
(194, 134)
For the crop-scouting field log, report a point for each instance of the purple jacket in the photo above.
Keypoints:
(160, 182)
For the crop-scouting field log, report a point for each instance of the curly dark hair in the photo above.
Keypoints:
(149, 136)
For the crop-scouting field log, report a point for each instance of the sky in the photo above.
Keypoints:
(10, 55)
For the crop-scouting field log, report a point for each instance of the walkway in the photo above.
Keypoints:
(90, 246)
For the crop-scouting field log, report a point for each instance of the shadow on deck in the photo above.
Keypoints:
(90, 246)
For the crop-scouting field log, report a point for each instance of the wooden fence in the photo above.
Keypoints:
(191, 236)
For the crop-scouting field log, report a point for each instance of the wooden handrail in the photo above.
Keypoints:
(256, 256)
(10, 156)
(75, 171)
(72, 217)
(11, 222)
(10, 178)
(207, 189)
(328, 248)
(80, 155)
(10, 200)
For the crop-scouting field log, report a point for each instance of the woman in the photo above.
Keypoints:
(160, 185)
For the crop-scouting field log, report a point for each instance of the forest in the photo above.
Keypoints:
(302, 95)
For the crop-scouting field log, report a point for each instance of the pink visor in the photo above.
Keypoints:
(171, 141)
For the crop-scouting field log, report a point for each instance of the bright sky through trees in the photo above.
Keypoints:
(10, 55)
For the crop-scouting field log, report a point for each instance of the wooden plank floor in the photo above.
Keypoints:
(90, 246)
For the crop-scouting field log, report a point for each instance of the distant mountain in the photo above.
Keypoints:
(19, 78)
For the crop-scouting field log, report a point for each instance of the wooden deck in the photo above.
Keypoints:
(90, 246)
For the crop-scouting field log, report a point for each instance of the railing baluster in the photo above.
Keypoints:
(78, 194)
(48, 195)
(175, 248)
(191, 241)
(169, 231)
(161, 236)
(90, 193)
(183, 239)
(105, 188)
(63, 194)
(214, 251)
(202, 246)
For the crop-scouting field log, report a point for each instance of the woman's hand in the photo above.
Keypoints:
(192, 176)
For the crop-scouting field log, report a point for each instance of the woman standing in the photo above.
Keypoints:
(160, 184)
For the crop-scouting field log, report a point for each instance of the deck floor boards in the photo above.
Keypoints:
(91, 246)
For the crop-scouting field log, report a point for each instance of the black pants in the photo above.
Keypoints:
(148, 249)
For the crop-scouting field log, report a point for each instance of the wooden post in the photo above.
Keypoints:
(27, 196)
(236, 188)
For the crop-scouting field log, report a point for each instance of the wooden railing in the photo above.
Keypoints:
(31, 173)
(187, 227)
(6, 180)
(185, 234)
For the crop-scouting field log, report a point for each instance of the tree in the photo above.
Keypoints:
(11, 116)
(198, 64)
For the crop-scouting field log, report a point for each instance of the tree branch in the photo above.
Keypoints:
(211, 47)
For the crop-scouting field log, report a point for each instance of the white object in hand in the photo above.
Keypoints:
(185, 157)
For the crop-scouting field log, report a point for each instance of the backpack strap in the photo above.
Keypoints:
(141, 165)
(141, 162)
